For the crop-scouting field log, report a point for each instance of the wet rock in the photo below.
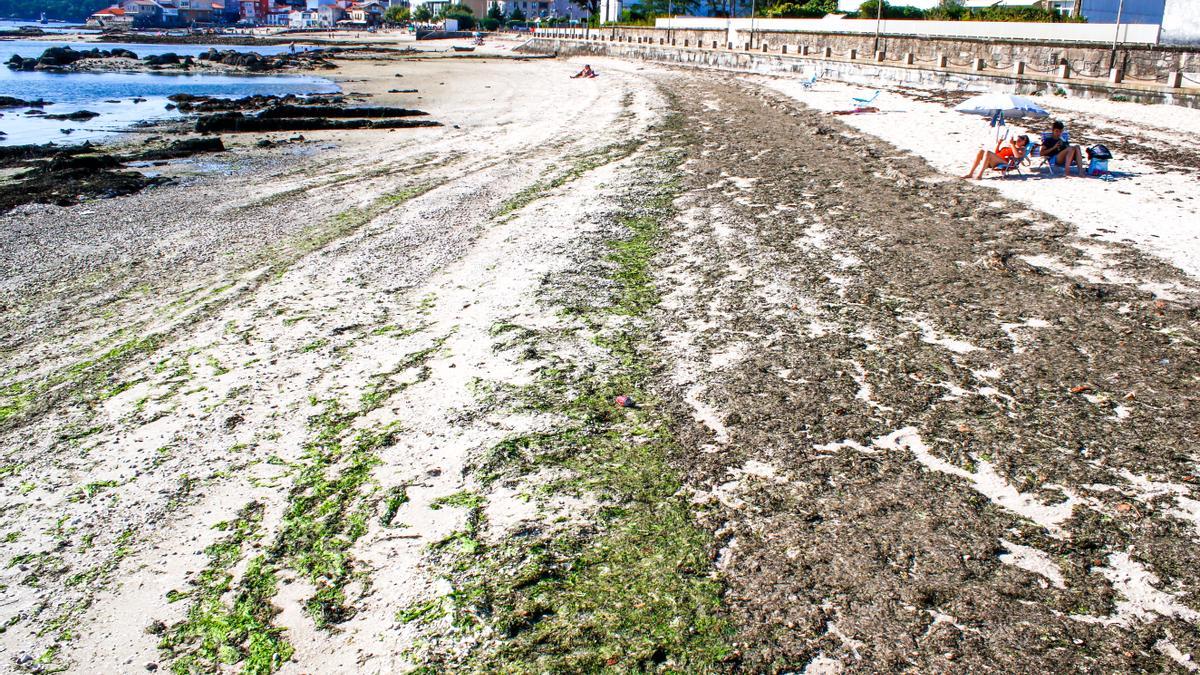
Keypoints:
(13, 155)
(16, 62)
(182, 148)
(77, 116)
(11, 102)
(237, 122)
(282, 111)
(168, 59)
(66, 179)
(189, 103)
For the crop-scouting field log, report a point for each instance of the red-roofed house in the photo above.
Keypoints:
(110, 17)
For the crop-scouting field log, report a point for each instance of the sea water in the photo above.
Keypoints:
(116, 95)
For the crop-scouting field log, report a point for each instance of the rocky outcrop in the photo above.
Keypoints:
(237, 122)
(255, 62)
(11, 102)
(182, 148)
(77, 116)
(373, 112)
(59, 58)
(188, 103)
(67, 179)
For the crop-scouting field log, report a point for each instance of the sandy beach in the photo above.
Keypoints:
(668, 370)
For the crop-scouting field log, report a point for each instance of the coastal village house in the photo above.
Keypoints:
(255, 11)
(545, 9)
(110, 17)
(367, 13)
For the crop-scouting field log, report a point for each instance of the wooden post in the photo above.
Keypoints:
(783, 49)
(977, 65)
(827, 53)
(1174, 79)
(1115, 75)
(1064, 70)
(804, 50)
(853, 54)
(879, 55)
(942, 59)
(1019, 68)
(908, 59)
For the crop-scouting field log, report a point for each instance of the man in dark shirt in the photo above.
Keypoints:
(1059, 152)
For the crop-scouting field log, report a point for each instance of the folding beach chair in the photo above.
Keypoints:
(864, 102)
(1037, 152)
(808, 83)
(1014, 163)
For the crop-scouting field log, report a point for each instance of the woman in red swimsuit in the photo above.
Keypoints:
(1005, 154)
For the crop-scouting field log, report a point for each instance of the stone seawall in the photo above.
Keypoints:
(1141, 63)
(864, 72)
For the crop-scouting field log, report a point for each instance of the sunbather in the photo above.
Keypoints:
(586, 72)
(1059, 152)
(1006, 154)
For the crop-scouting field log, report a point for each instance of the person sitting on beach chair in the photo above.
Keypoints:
(586, 72)
(1006, 157)
(1058, 152)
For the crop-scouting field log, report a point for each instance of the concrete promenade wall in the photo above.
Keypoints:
(1146, 64)
(1137, 33)
(863, 71)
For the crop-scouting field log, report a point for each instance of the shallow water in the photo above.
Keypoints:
(52, 27)
(34, 48)
(112, 94)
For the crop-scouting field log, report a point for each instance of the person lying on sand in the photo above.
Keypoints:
(1059, 152)
(1005, 153)
(586, 72)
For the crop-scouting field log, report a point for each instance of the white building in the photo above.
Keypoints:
(544, 9)
(610, 11)
(304, 19)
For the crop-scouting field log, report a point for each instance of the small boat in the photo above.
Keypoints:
(43, 20)
(458, 48)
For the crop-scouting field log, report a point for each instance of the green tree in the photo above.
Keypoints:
(462, 14)
(869, 9)
(947, 10)
(494, 12)
(397, 14)
(813, 9)
(592, 7)
(422, 14)
(65, 10)
(635, 14)
(517, 14)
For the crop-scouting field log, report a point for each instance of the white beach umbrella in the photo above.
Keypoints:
(1004, 105)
